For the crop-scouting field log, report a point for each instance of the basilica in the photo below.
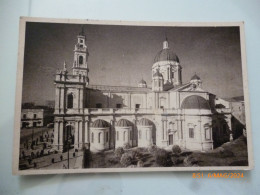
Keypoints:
(170, 112)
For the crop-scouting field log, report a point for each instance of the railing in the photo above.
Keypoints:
(116, 88)
(129, 111)
(62, 77)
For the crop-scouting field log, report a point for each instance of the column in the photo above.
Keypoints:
(165, 130)
(80, 134)
(81, 100)
(162, 130)
(169, 74)
(78, 97)
(200, 134)
(177, 76)
(86, 132)
(76, 135)
(56, 134)
(134, 134)
(57, 100)
(61, 127)
(178, 129)
(62, 94)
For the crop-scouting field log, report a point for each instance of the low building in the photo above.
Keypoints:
(36, 117)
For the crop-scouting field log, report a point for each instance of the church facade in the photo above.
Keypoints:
(103, 117)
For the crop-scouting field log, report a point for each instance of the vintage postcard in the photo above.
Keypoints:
(113, 96)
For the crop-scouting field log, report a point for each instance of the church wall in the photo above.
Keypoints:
(138, 99)
(197, 139)
(163, 100)
(112, 99)
(150, 100)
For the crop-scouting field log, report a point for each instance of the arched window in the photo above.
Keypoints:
(191, 132)
(92, 137)
(124, 135)
(70, 101)
(99, 137)
(80, 60)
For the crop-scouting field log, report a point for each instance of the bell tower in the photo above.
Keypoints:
(80, 64)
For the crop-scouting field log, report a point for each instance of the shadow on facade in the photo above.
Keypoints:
(237, 127)
(220, 130)
(101, 100)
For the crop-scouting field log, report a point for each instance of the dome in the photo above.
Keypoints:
(166, 54)
(142, 82)
(123, 123)
(145, 122)
(195, 102)
(100, 124)
(195, 77)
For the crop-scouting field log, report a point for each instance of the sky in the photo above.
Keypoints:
(123, 55)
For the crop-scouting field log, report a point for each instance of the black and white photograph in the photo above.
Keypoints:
(104, 96)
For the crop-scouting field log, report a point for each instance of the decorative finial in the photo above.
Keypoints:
(165, 43)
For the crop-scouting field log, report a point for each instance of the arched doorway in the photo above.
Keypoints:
(68, 137)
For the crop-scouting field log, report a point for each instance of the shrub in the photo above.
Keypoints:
(226, 153)
(126, 146)
(152, 149)
(119, 152)
(176, 149)
(190, 161)
(163, 158)
(140, 150)
(126, 160)
(136, 154)
(140, 163)
(112, 161)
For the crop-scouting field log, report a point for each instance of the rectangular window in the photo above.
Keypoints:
(34, 116)
(98, 105)
(117, 135)
(137, 106)
(140, 134)
(191, 132)
(207, 133)
(118, 105)
(24, 115)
